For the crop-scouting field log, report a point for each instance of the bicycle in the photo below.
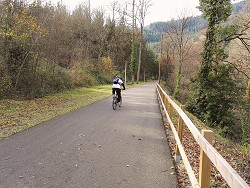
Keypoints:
(115, 101)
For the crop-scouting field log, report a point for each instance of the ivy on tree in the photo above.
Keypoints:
(213, 89)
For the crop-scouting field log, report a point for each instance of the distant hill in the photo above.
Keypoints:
(154, 30)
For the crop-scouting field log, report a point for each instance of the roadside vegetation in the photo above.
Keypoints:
(206, 68)
(236, 154)
(18, 115)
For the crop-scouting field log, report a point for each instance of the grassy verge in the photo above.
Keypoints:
(19, 115)
(16, 116)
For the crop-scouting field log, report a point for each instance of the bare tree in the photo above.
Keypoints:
(239, 50)
(143, 10)
(182, 43)
(167, 61)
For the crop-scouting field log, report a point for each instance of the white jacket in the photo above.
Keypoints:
(118, 85)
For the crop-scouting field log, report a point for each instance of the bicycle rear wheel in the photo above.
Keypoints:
(120, 103)
(114, 102)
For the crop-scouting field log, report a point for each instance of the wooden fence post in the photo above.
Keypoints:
(171, 111)
(166, 103)
(162, 107)
(205, 163)
(180, 135)
(164, 113)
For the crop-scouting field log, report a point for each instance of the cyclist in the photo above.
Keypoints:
(117, 82)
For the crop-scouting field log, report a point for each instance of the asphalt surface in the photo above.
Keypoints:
(94, 146)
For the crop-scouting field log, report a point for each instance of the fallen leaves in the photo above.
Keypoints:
(233, 154)
(19, 115)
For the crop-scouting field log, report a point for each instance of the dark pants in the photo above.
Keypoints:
(118, 91)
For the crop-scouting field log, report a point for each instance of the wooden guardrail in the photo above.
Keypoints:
(208, 152)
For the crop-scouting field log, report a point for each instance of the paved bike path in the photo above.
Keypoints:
(94, 146)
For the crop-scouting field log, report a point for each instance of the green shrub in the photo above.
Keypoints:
(45, 79)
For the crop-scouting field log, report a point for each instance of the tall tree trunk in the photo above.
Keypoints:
(177, 92)
(132, 63)
(140, 55)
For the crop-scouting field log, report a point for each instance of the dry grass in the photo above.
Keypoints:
(16, 116)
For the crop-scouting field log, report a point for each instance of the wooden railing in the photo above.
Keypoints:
(208, 153)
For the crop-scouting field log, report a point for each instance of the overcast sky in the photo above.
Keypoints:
(161, 10)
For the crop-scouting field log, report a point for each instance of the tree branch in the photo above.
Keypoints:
(238, 69)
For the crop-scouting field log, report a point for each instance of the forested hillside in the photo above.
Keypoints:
(207, 66)
(196, 23)
(46, 48)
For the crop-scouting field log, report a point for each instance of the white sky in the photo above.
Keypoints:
(161, 10)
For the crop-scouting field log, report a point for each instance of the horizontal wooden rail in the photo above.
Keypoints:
(228, 173)
(188, 167)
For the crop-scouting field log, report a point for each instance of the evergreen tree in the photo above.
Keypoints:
(246, 117)
(133, 63)
(213, 89)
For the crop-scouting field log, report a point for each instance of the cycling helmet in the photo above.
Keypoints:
(118, 76)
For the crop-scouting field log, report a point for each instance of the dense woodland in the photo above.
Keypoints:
(204, 60)
(46, 48)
